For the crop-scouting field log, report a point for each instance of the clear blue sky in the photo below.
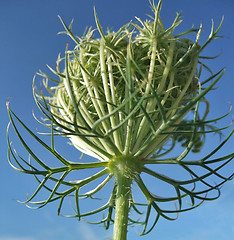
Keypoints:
(29, 41)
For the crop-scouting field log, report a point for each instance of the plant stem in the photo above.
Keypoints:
(122, 206)
(125, 168)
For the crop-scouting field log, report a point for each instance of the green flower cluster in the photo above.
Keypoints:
(127, 83)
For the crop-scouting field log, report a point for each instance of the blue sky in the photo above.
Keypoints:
(29, 41)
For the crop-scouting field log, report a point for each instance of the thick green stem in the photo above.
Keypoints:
(122, 207)
(125, 169)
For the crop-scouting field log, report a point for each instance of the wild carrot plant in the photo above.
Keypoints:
(127, 99)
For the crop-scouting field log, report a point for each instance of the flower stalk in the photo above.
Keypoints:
(122, 208)
(125, 169)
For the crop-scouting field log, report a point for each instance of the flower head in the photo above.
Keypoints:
(117, 91)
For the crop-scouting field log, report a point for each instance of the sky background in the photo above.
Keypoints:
(29, 41)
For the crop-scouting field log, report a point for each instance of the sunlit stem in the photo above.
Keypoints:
(125, 169)
(122, 207)
(107, 90)
(143, 124)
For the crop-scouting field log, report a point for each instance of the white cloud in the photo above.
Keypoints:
(87, 232)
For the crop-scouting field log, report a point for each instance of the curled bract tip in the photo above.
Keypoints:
(8, 102)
